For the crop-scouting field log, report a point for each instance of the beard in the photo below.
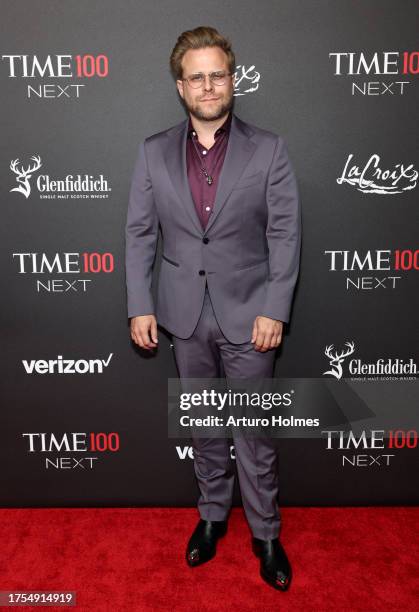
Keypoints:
(219, 111)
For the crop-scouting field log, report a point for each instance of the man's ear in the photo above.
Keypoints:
(179, 85)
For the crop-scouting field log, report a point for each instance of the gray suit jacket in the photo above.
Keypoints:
(249, 252)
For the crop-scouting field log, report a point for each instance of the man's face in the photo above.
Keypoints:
(208, 102)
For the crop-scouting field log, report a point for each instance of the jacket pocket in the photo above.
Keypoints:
(252, 265)
(170, 261)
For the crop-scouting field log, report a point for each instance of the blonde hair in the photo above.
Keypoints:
(198, 38)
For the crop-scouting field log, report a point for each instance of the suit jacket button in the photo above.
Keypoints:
(205, 240)
(201, 272)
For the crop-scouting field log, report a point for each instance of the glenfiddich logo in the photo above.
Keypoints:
(336, 359)
(72, 186)
(381, 369)
(23, 176)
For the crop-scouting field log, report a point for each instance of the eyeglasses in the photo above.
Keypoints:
(198, 79)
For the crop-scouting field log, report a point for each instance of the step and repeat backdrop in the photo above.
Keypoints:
(84, 412)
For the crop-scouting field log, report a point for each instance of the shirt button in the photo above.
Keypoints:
(204, 152)
(201, 272)
(205, 240)
(207, 208)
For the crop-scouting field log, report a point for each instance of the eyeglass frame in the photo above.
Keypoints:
(204, 75)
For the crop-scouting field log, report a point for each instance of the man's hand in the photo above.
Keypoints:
(267, 334)
(144, 331)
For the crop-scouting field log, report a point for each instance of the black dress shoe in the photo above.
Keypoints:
(203, 541)
(275, 568)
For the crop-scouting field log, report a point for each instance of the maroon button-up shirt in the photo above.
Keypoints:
(212, 159)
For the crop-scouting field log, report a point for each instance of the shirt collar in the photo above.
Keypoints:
(223, 128)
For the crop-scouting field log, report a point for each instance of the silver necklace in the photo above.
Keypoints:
(208, 177)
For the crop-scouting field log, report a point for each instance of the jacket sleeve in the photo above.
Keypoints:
(283, 235)
(141, 233)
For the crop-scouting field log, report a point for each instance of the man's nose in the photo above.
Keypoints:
(208, 85)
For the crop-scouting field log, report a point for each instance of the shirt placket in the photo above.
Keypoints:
(207, 191)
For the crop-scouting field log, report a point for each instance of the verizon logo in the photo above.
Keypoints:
(186, 452)
(66, 366)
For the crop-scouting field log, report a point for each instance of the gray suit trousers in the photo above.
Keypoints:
(208, 354)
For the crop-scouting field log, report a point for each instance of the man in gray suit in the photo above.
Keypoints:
(224, 195)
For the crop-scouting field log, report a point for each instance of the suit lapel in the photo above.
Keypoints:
(240, 150)
(175, 159)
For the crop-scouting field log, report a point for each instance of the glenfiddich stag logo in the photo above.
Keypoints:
(70, 186)
(23, 175)
(336, 359)
(383, 368)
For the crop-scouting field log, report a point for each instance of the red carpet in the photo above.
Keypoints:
(128, 559)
